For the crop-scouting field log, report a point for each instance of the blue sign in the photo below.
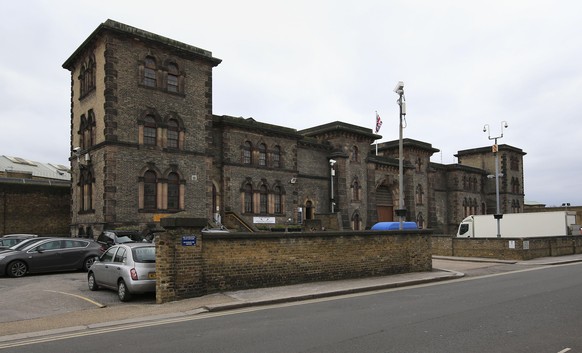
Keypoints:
(188, 240)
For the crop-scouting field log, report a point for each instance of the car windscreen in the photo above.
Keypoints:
(146, 254)
(25, 243)
(124, 239)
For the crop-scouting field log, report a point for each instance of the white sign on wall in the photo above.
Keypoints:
(268, 220)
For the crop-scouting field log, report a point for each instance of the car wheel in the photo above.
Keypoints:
(17, 269)
(88, 263)
(122, 291)
(91, 282)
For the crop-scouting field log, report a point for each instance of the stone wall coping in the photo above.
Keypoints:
(291, 235)
(183, 222)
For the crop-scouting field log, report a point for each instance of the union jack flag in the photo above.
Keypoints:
(378, 122)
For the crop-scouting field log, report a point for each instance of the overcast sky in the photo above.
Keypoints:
(303, 63)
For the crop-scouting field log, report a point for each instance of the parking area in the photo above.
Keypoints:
(35, 296)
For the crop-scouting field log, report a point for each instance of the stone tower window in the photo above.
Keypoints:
(248, 198)
(277, 157)
(173, 191)
(262, 155)
(150, 131)
(264, 197)
(150, 187)
(86, 181)
(355, 154)
(277, 199)
(172, 80)
(247, 153)
(173, 133)
(149, 72)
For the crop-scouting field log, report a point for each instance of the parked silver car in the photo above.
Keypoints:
(129, 268)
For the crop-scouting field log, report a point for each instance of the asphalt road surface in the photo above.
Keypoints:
(534, 310)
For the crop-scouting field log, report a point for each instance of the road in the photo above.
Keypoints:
(534, 310)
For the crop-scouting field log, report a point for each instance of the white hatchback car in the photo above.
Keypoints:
(128, 268)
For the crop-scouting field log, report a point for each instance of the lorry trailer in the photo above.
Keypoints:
(520, 225)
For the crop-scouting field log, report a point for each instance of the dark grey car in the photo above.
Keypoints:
(10, 240)
(50, 255)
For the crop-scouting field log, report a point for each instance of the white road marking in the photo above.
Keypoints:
(80, 297)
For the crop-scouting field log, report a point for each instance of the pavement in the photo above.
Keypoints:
(444, 269)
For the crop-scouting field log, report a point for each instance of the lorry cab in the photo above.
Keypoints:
(466, 228)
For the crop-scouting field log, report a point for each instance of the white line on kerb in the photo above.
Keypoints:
(78, 296)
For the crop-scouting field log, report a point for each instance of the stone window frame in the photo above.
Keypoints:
(150, 128)
(87, 130)
(150, 131)
(86, 187)
(356, 221)
(262, 150)
(469, 206)
(276, 157)
(173, 78)
(263, 198)
(87, 77)
(174, 132)
(164, 76)
(419, 193)
(247, 191)
(149, 77)
(356, 189)
(166, 192)
(355, 154)
(247, 153)
(277, 199)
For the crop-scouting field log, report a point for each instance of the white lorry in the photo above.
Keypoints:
(520, 225)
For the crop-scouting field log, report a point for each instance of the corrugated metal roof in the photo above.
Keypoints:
(38, 169)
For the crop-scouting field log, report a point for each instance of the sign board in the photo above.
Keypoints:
(512, 244)
(268, 220)
(188, 240)
(158, 216)
(526, 245)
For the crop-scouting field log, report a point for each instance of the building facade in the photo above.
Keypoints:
(145, 144)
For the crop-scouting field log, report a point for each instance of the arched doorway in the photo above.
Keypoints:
(384, 204)
(309, 210)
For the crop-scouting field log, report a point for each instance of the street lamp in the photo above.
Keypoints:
(401, 211)
(332, 174)
(495, 150)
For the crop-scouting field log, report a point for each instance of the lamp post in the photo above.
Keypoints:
(401, 211)
(332, 174)
(495, 149)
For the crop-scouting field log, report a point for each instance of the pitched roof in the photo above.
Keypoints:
(37, 169)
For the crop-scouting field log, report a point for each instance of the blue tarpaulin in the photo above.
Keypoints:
(394, 225)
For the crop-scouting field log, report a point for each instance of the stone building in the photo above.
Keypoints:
(145, 144)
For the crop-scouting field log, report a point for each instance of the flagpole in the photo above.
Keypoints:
(377, 129)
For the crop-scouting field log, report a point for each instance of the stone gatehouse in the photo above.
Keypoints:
(145, 144)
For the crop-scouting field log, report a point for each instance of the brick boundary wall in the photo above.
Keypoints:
(221, 262)
(499, 248)
(33, 206)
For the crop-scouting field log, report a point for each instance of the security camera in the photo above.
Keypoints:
(76, 149)
(505, 124)
(332, 161)
(399, 87)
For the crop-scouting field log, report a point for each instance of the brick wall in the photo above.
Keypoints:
(499, 248)
(222, 262)
(41, 209)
